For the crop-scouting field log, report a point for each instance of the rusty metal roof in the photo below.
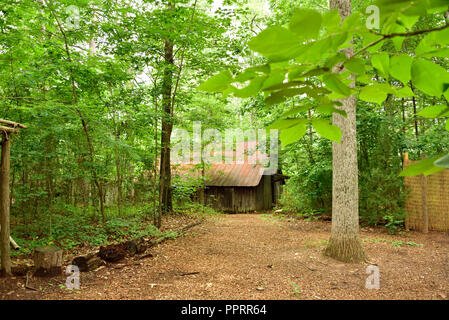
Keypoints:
(223, 175)
(236, 174)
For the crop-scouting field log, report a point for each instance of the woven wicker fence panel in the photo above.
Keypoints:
(437, 194)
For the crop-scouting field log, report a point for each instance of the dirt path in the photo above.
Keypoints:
(263, 257)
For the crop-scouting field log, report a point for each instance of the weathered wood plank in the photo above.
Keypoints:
(14, 124)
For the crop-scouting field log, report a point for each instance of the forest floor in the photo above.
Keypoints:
(262, 256)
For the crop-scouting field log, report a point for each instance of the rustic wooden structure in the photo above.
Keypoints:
(240, 188)
(427, 203)
(237, 188)
(6, 129)
(47, 261)
(239, 183)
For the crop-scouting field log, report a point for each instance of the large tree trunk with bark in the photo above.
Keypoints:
(4, 204)
(165, 195)
(344, 243)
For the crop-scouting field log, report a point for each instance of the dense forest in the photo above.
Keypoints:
(101, 86)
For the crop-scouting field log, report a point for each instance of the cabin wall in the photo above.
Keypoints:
(232, 199)
(264, 195)
(277, 191)
(244, 199)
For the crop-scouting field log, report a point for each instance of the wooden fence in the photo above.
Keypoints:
(427, 204)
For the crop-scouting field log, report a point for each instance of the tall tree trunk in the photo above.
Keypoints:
(117, 167)
(344, 243)
(165, 195)
(4, 204)
(156, 219)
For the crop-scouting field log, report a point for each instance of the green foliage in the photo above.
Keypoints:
(296, 289)
(430, 78)
(197, 210)
(327, 130)
(71, 227)
(309, 189)
(309, 50)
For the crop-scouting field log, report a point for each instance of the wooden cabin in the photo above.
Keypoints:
(243, 186)
(236, 188)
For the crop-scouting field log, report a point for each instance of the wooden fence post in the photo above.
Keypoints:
(404, 166)
(4, 204)
(425, 215)
(6, 129)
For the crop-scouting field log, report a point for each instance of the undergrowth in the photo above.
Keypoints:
(70, 227)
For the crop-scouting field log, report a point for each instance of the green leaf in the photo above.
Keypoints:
(284, 85)
(252, 89)
(406, 7)
(353, 21)
(327, 130)
(334, 59)
(217, 83)
(376, 93)
(400, 68)
(404, 92)
(381, 62)
(437, 111)
(316, 51)
(294, 133)
(425, 167)
(334, 83)
(339, 40)
(440, 53)
(245, 76)
(332, 20)
(447, 125)
(282, 124)
(294, 111)
(431, 40)
(398, 41)
(306, 23)
(296, 72)
(315, 72)
(369, 38)
(329, 109)
(407, 21)
(275, 77)
(274, 41)
(442, 162)
(280, 96)
(355, 65)
(429, 77)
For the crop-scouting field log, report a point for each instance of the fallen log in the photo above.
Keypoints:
(88, 262)
(136, 246)
(117, 252)
(113, 252)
